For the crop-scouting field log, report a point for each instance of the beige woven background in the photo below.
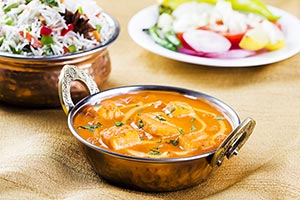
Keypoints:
(40, 159)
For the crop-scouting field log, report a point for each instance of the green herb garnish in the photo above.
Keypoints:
(48, 51)
(154, 151)
(173, 142)
(50, 2)
(193, 128)
(117, 123)
(2, 40)
(91, 127)
(171, 111)
(180, 130)
(219, 118)
(160, 118)
(140, 124)
(9, 21)
(7, 8)
(14, 50)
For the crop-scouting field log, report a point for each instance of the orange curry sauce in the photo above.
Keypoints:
(153, 124)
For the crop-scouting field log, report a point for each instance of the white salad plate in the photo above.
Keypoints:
(148, 17)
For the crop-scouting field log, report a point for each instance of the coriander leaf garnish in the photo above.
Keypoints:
(193, 128)
(154, 151)
(140, 124)
(219, 118)
(173, 142)
(169, 112)
(91, 127)
(117, 123)
(193, 119)
(180, 130)
(50, 2)
(160, 118)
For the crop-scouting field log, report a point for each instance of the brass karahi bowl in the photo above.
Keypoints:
(32, 81)
(150, 174)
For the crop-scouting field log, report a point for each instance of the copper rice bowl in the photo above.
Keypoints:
(31, 81)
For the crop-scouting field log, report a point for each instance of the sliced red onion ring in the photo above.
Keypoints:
(190, 51)
(230, 54)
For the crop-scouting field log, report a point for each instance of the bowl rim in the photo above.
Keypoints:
(112, 21)
(92, 99)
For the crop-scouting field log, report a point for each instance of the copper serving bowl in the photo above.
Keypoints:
(32, 80)
(150, 174)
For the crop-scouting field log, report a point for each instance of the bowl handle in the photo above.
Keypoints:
(68, 74)
(234, 142)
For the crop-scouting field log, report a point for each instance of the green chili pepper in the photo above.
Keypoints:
(173, 4)
(165, 9)
(254, 6)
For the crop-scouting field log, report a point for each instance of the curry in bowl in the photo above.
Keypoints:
(149, 137)
(153, 124)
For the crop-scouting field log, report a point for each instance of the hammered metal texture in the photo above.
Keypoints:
(33, 83)
(150, 176)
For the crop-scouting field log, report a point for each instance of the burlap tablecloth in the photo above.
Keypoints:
(40, 159)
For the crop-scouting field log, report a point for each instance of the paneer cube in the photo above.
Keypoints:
(109, 110)
(196, 140)
(156, 124)
(120, 137)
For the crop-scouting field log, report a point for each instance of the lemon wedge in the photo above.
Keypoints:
(254, 39)
(276, 46)
(276, 36)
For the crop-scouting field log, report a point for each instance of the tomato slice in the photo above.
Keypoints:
(234, 38)
(183, 42)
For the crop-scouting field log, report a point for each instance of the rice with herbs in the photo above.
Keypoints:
(51, 27)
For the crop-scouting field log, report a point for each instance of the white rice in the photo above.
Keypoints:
(25, 17)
